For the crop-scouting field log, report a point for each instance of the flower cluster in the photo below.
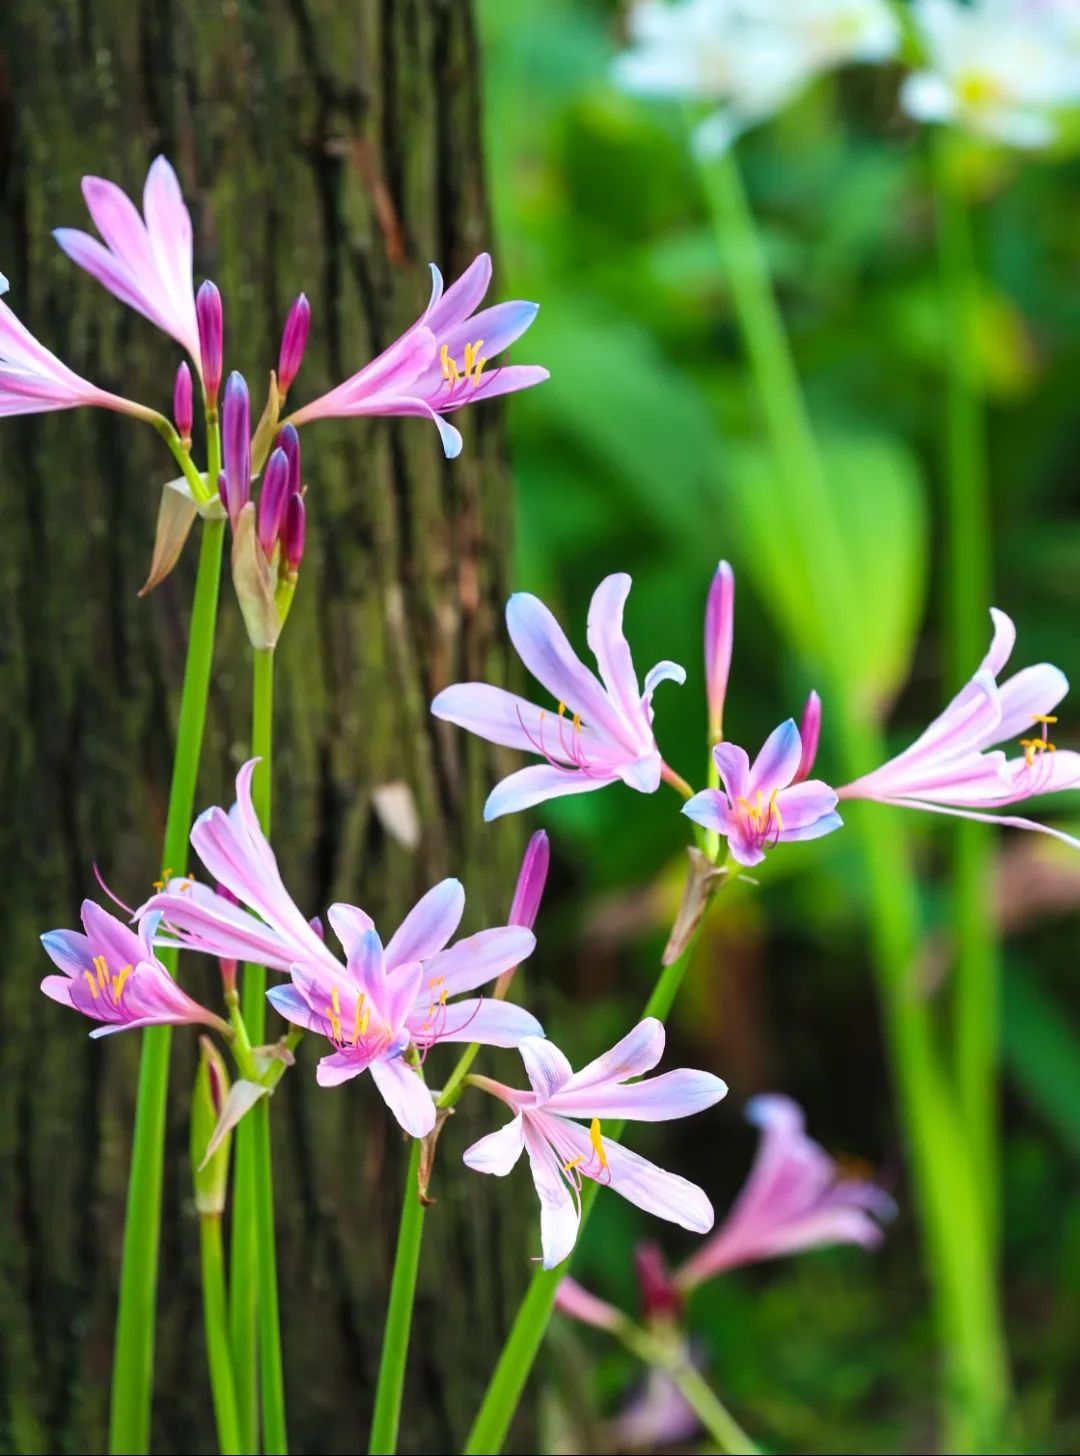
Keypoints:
(1001, 69)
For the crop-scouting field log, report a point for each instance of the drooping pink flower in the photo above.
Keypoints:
(562, 1152)
(601, 732)
(144, 260)
(112, 975)
(380, 1001)
(761, 804)
(34, 381)
(439, 364)
(953, 768)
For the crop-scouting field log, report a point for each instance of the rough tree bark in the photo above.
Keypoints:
(330, 145)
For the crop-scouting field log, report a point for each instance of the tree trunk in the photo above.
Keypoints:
(332, 147)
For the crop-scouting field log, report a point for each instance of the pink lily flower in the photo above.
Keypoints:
(113, 976)
(438, 365)
(602, 731)
(953, 768)
(34, 381)
(562, 1152)
(795, 1198)
(145, 260)
(764, 804)
(380, 1002)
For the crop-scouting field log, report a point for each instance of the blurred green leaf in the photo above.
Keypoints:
(1042, 1047)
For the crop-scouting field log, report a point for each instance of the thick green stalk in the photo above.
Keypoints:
(533, 1317)
(216, 1321)
(947, 1184)
(672, 1361)
(133, 1357)
(968, 572)
(254, 1314)
(395, 1346)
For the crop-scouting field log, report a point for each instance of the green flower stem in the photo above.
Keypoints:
(254, 1314)
(968, 584)
(948, 1187)
(216, 1321)
(671, 1360)
(531, 1321)
(133, 1357)
(386, 1418)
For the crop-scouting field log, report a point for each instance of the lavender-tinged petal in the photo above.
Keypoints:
(118, 221)
(168, 224)
(479, 958)
(367, 969)
(109, 936)
(59, 988)
(496, 328)
(506, 719)
(643, 774)
(710, 809)
(462, 298)
(287, 1001)
(609, 646)
(374, 388)
(503, 379)
(482, 1020)
(531, 786)
(1031, 693)
(1001, 647)
(68, 949)
(545, 1066)
(89, 255)
(543, 647)
(1009, 821)
(349, 923)
(778, 761)
(733, 766)
(338, 1067)
(817, 830)
(657, 1099)
(664, 671)
(403, 983)
(805, 803)
(405, 1094)
(498, 1152)
(663, 1194)
(429, 924)
(633, 1055)
(560, 1218)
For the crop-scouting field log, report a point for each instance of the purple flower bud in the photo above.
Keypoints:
(531, 881)
(659, 1295)
(273, 498)
(182, 405)
(236, 444)
(293, 532)
(719, 629)
(293, 343)
(208, 314)
(317, 926)
(810, 730)
(289, 440)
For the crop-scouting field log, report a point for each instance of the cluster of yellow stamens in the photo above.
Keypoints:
(474, 364)
(437, 987)
(763, 816)
(1034, 746)
(167, 874)
(597, 1140)
(104, 981)
(361, 1018)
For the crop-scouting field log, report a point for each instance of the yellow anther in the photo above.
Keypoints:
(436, 981)
(92, 984)
(562, 709)
(166, 876)
(357, 1023)
(473, 362)
(118, 983)
(1044, 718)
(573, 1163)
(333, 1011)
(364, 1021)
(478, 369)
(442, 996)
(597, 1141)
(774, 811)
(1033, 746)
(577, 722)
(450, 371)
(102, 971)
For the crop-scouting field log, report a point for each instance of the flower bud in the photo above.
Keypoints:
(183, 412)
(810, 730)
(293, 532)
(289, 440)
(273, 498)
(659, 1297)
(531, 881)
(207, 1104)
(293, 343)
(236, 444)
(208, 315)
(719, 630)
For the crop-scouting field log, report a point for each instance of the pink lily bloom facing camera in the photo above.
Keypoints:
(602, 731)
(145, 260)
(765, 803)
(378, 1004)
(440, 364)
(34, 381)
(562, 1152)
(953, 768)
(112, 975)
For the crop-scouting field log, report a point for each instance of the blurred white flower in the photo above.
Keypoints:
(999, 68)
(751, 56)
